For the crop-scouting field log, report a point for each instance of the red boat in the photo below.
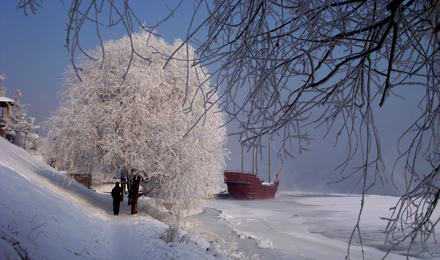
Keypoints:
(247, 186)
(244, 185)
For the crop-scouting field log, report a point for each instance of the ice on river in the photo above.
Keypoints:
(298, 225)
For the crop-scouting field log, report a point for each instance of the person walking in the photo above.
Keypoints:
(116, 195)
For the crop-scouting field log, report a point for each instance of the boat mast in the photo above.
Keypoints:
(242, 148)
(253, 159)
(269, 160)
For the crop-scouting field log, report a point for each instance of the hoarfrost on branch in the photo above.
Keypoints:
(332, 65)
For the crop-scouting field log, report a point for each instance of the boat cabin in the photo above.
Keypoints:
(4, 112)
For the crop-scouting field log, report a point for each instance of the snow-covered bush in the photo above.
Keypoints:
(147, 124)
(171, 234)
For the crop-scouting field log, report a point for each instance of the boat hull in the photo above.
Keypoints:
(247, 186)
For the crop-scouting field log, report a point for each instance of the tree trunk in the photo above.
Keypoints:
(136, 181)
(124, 177)
(130, 188)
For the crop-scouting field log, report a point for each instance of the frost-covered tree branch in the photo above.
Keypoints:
(98, 14)
(284, 65)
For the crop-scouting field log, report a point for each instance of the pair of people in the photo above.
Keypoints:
(116, 195)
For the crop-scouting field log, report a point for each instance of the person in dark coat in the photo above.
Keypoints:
(116, 195)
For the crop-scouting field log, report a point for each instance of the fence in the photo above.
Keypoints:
(83, 178)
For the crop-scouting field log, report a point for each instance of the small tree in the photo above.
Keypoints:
(30, 132)
(21, 130)
(14, 119)
(2, 89)
(113, 120)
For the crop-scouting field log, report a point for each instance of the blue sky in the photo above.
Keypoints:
(32, 52)
(33, 59)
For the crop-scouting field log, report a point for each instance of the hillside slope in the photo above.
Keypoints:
(45, 215)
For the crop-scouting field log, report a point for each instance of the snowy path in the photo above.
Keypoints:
(128, 235)
(120, 240)
(125, 237)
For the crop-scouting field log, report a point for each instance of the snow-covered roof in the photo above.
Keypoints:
(6, 100)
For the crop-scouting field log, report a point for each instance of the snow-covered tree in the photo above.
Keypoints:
(21, 130)
(14, 119)
(30, 133)
(112, 120)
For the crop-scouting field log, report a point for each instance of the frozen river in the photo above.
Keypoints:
(304, 226)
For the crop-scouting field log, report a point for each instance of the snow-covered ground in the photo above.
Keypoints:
(44, 215)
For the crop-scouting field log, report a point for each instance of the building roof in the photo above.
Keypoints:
(6, 100)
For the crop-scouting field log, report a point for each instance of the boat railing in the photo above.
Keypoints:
(239, 171)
